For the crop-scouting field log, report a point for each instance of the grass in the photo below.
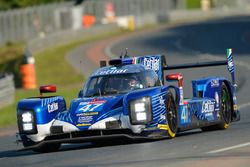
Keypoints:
(10, 51)
(52, 68)
(11, 56)
(193, 4)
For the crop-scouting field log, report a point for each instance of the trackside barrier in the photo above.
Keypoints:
(88, 20)
(7, 90)
(28, 76)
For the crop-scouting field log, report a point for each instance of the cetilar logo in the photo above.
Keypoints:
(52, 107)
(230, 65)
(151, 63)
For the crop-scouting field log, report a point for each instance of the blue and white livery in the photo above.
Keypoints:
(128, 99)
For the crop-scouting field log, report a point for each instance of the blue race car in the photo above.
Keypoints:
(128, 99)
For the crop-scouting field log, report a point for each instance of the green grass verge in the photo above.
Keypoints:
(52, 68)
(11, 57)
(193, 4)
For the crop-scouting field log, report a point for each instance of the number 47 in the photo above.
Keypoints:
(89, 107)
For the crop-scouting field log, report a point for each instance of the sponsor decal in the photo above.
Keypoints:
(216, 96)
(85, 119)
(52, 107)
(208, 108)
(215, 83)
(83, 125)
(46, 101)
(90, 106)
(111, 71)
(185, 118)
(151, 63)
(93, 101)
(234, 98)
(181, 95)
(202, 110)
(162, 102)
(230, 64)
(87, 114)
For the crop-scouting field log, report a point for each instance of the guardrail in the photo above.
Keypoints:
(7, 90)
(67, 36)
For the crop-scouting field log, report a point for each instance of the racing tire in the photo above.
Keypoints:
(226, 107)
(171, 115)
(49, 147)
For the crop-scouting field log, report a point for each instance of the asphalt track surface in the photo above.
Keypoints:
(182, 44)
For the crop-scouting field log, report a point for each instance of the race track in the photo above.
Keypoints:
(201, 41)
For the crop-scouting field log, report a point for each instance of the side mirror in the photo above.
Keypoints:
(80, 94)
(47, 89)
(175, 77)
(103, 63)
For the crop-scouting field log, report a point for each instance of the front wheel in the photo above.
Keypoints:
(48, 147)
(171, 115)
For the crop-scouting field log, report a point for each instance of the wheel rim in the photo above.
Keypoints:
(225, 105)
(171, 115)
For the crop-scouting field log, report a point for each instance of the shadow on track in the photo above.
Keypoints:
(71, 147)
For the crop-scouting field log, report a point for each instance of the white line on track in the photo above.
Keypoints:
(229, 148)
(245, 105)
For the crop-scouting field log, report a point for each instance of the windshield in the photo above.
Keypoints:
(112, 84)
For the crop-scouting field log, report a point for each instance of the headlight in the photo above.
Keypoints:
(26, 122)
(27, 117)
(140, 111)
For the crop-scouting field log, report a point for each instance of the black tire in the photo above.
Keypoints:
(171, 115)
(52, 147)
(226, 107)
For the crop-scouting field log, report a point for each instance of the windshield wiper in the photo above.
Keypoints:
(110, 92)
(99, 93)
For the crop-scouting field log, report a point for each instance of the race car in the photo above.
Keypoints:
(129, 99)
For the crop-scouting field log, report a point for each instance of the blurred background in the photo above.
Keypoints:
(35, 37)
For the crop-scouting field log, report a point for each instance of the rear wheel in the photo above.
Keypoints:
(225, 110)
(171, 115)
(225, 107)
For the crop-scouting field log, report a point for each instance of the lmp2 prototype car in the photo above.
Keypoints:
(128, 99)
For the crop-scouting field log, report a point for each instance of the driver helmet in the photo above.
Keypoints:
(132, 83)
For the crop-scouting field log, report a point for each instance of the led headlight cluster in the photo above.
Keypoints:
(140, 111)
(26, 122)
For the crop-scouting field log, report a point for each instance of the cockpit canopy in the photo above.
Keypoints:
(105, 85)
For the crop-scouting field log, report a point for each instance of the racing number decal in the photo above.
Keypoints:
(185, 118)
(89, 107)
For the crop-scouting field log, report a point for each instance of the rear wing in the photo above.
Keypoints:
(229, 62)
(158, 63)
